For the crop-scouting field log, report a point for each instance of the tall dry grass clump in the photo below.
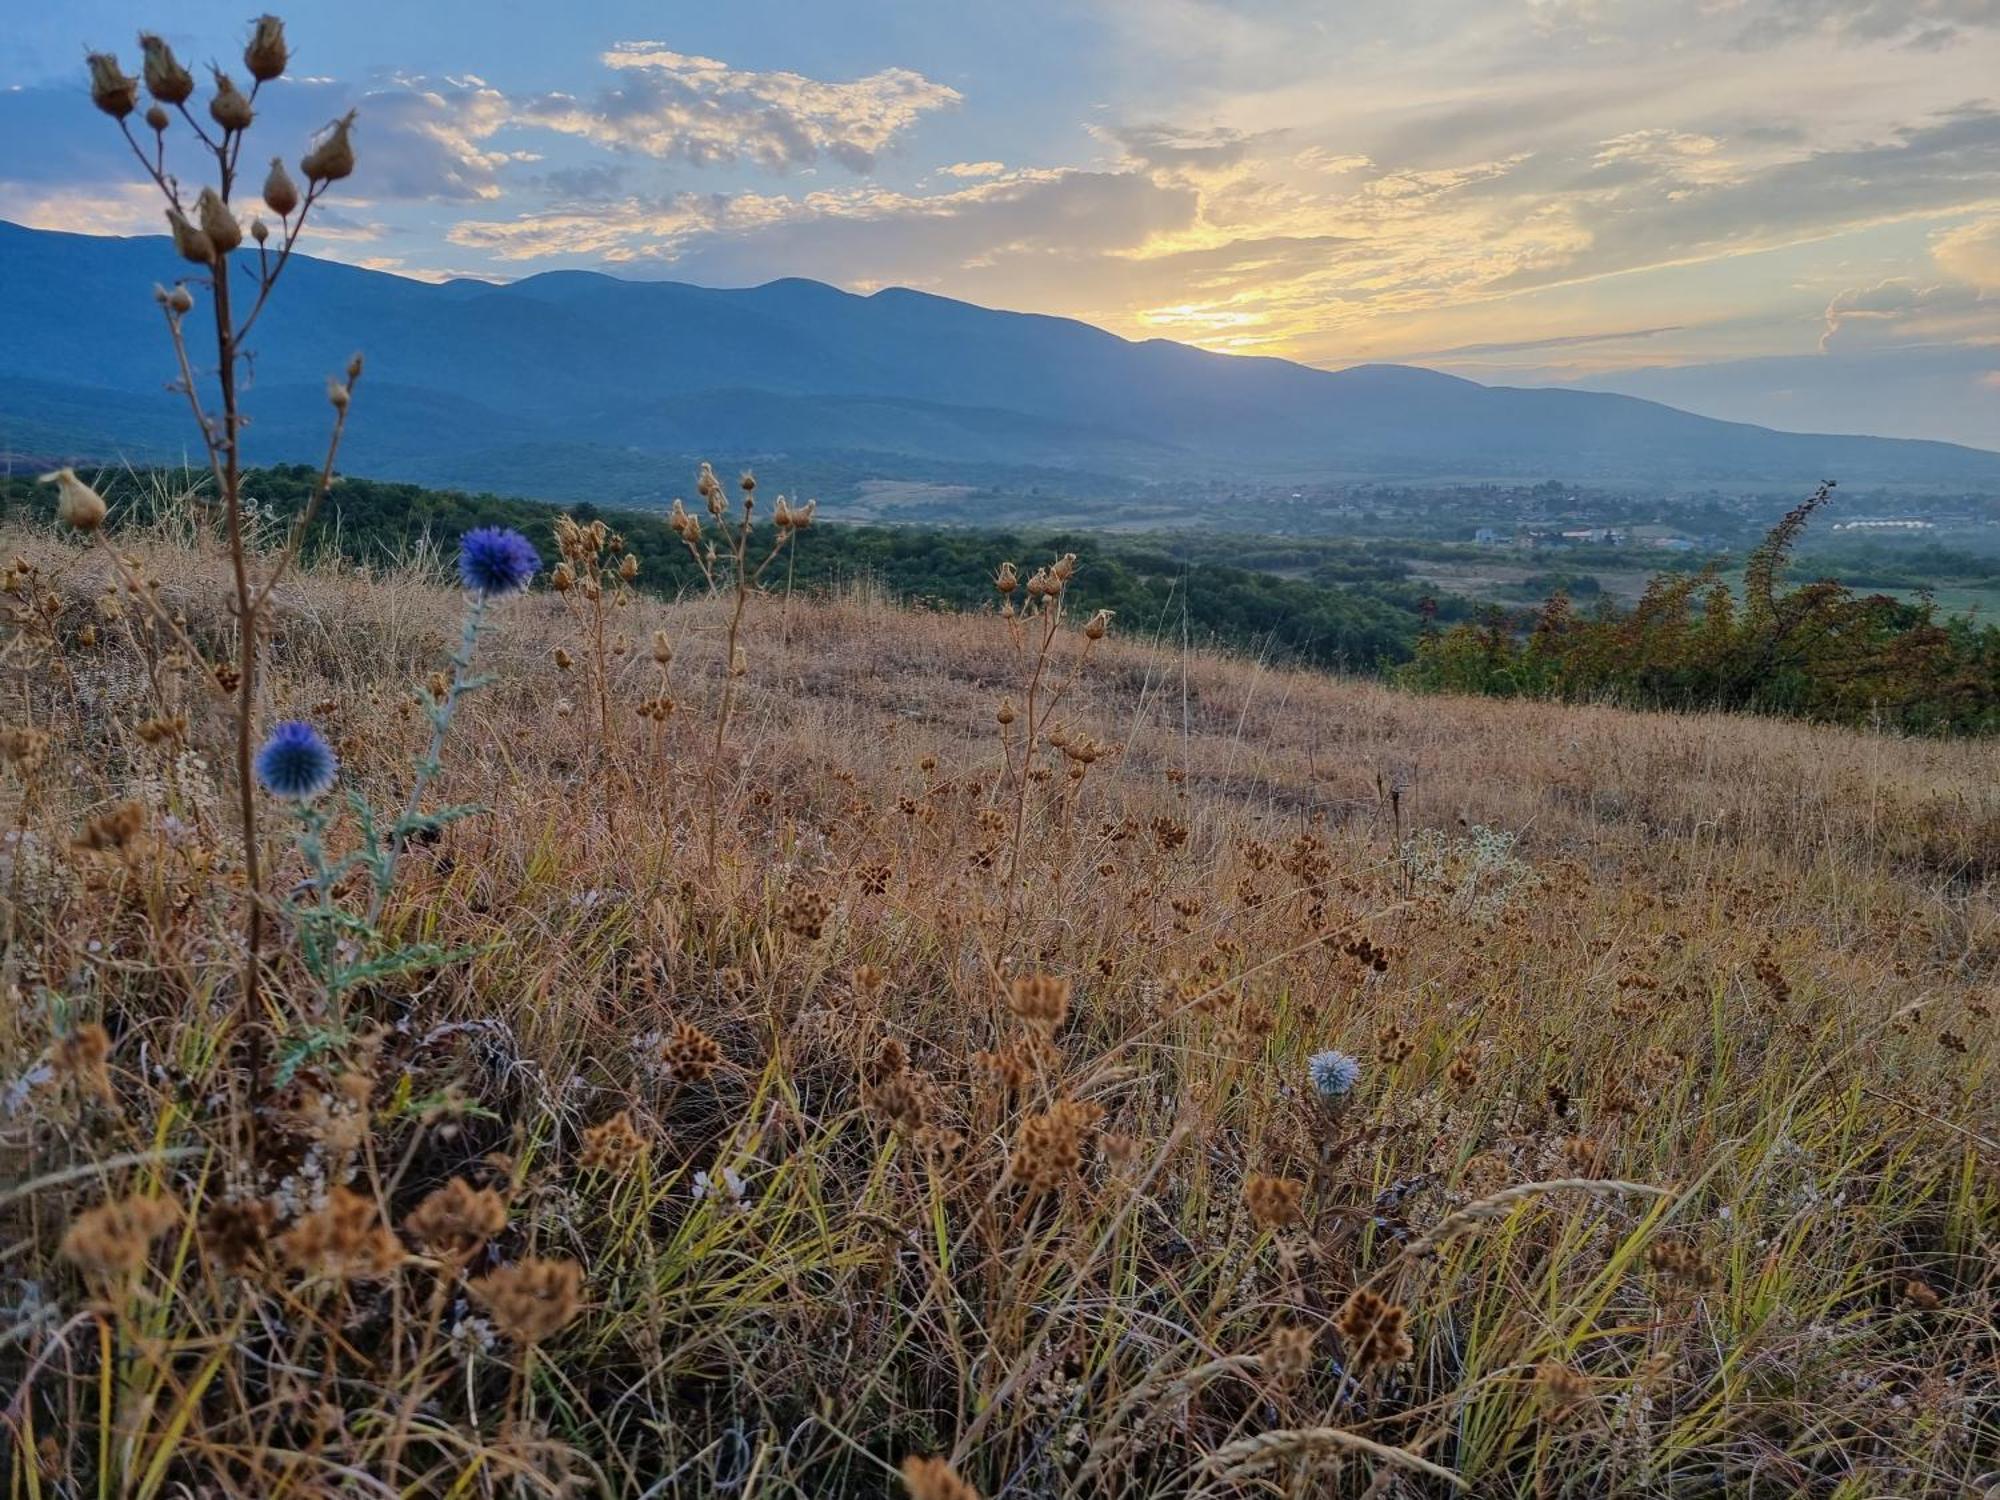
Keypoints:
(859, 1049)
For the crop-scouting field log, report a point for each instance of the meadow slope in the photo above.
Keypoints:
(851, 1096)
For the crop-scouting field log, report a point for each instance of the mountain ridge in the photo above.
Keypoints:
(645, 371)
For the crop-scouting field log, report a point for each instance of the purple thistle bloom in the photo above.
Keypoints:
(495, 560)
(296, 762)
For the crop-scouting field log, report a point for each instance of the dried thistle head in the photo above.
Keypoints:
(1371, 1329)
(110, 1242)
(1274, 1202)
(935, 1479)
(266, 54)
(804, 912)
(454, 1221)
(110, 89)
(532, 1300)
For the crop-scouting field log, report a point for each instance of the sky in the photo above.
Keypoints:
(1785, 211)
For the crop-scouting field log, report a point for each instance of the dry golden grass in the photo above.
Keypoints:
(829, 1160)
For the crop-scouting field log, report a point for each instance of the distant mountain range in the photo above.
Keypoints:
(577, 385)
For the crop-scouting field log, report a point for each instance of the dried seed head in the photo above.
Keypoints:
(229, 106)
(935, 1479)
(84, 1058)
(1041, 1000)
(111, 1241)
(1371, 1330)
(333, 157)
(266, 55)
(281, 194)
(1288, 1353)
(217, 222)
(344, 1241)
(78, 506)
(156, 118)
(613, 1146)
(110, 89)
(236, 1233)
(690, 1054)
(1098, 625)
(663, 649)
(113, 831)
(453, 1221)
(1274, 1202)
(166, 80)
(534, 1299)
(191, 244)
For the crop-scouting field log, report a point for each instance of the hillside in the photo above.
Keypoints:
(581, 386)
(897, 1064)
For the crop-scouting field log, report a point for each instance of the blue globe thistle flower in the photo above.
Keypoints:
(1333, 1075)
(296, 762)
(495, 560)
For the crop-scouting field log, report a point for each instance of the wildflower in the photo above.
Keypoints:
(1274, 1201)
(1333, 1075)
(266, 54)
(1371, 1330)
(935, 1479)
(333, 158)
(534, 1299)
(111, 1241)
(78, 506)
(495, 560)
(455, 1220)
(726, 1184)
(344, 1241)
(110, 89)
(296, 762)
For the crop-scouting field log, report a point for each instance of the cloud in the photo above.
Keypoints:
(1900, 313)
(1002, 235)
(974, 169)
(1562, 341)
(695, 109)
(1971, 252)
(1927, 24)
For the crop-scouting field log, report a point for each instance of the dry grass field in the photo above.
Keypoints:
(901, 1081)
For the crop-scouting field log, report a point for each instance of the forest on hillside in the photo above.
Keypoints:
(1695, 639)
